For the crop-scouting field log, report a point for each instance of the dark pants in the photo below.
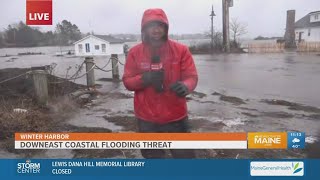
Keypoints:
(181, 126)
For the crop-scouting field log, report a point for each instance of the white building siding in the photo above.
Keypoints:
(315, 17)
(95, 47)
(313, 36)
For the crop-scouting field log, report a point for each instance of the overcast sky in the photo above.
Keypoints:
(263, 17)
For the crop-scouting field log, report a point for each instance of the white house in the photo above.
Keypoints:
(307, 29)
(98, 45)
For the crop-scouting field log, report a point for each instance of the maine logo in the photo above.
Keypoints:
(267, 140)
(296, 168)
(28, 167)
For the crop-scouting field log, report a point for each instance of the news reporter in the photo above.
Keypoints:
(160, 86)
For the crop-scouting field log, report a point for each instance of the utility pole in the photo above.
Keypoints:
(290, 34)
(226, 35)
(212, 14)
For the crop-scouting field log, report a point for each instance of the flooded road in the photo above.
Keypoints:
(236, 92)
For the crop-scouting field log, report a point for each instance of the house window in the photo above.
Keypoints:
(80, 48)
(87, 47)
(316, 16)
(96, 47)
(103, 47)
(309, 32)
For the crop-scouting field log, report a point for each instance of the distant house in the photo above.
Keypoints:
(307, 29)
(98, 45)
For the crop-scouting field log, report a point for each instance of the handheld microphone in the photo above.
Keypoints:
(156, 65)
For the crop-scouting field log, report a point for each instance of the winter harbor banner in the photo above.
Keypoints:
(229, 140)
(159, 169)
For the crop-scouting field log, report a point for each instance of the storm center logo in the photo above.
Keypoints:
(28, 167)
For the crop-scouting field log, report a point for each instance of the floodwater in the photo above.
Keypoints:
(236, 92)
(290, 76)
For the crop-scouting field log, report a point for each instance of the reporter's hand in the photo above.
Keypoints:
(180, 89)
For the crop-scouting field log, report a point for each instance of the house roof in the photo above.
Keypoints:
(305, 21)
(107, 38)
(110, 39)
(315, 12)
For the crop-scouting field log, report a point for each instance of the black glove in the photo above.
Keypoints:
(152, 77)
(179, 88)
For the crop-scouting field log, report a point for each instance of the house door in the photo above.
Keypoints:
(80, 48)
(300, 37)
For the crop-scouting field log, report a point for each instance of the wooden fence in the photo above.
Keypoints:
(270, 47)
(308, 47)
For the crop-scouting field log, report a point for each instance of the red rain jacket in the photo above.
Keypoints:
(178, 65)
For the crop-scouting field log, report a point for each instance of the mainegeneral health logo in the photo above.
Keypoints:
(277, 168)
(296, 167)
(28, 167)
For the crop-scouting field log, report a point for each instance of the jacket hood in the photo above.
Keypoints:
(151, 15)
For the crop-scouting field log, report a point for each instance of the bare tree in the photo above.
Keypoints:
(1, 40)
(237, 29)
(217, 38)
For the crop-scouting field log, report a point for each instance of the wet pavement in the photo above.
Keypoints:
(236, 92)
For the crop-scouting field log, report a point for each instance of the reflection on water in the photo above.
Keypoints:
(293, 77)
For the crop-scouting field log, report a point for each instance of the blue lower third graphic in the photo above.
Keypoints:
(296, 140)
(222, 169)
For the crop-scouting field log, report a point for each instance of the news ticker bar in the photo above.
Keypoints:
(228, 140)
(161, 168)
